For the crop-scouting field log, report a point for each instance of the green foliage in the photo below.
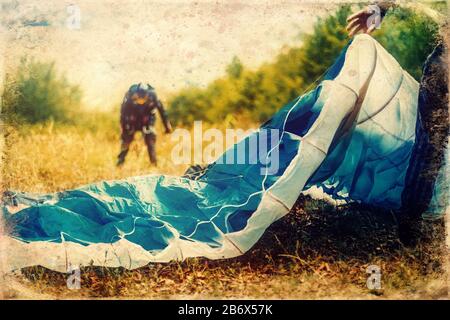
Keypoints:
(259, 93)
(323, 46)
(234, 70)
(409, 37)
(36, 93)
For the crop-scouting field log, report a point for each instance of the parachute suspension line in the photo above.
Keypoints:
(263, 189)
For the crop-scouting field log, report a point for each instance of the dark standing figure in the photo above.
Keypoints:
(138, 113)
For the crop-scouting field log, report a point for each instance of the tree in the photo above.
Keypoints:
(408, 36)
(36, 93)
(234, 69)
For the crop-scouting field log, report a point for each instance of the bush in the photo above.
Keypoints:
(37, 93)
(409, 37)
(257, 94)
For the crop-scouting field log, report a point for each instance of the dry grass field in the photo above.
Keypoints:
(317, 251)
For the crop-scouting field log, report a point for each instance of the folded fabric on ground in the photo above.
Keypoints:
(351, 136)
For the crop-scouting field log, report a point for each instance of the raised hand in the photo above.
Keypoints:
(364, 20)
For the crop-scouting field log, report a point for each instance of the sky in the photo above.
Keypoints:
(169, 44)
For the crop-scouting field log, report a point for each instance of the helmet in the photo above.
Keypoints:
(140, 93)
